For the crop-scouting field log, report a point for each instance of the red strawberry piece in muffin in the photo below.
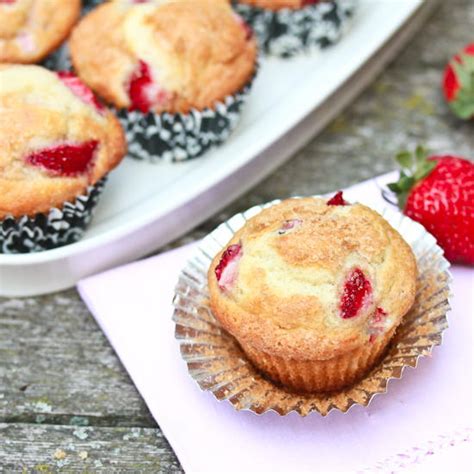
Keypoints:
(144, 92)
(65, 159)
(337, 200)
(356, 293)
(80, 89)
(226, 271)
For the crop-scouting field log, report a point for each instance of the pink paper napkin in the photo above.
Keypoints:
(423, 423)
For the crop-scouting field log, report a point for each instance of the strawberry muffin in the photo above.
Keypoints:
(57, 143)
(313, 291)
(31, 29)
(181, 69)
(288, 27)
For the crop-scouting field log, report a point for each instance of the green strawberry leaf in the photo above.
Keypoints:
(424, 170)
(463, 75)
(404, 159)
(414, 168)
(463, 103)
(463, 110)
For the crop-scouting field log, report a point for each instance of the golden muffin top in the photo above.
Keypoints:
(31, 29)
(280, 4)
(311, 279)
(55, 139)
(164, 55)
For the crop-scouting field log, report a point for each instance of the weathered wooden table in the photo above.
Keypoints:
(65, 400)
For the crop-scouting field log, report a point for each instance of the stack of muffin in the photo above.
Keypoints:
(177, 72)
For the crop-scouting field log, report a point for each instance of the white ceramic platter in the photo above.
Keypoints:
(146, 205)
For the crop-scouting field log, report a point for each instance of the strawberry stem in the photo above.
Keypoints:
(414, 167)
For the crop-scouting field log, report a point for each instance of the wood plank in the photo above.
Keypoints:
(50, 448)
(57, 367)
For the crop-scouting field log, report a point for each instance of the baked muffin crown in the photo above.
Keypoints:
(55, 139)
(31, 29)
(279, 4)
(306, 280)
(167, 55)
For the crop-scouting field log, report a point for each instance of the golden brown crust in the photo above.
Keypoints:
(38, 111)
(275, 4)
(285, 301)
(197, 50)
(31, 29)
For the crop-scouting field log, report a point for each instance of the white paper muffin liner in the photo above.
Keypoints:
(287, 32)
(218, 364)
(45, 231)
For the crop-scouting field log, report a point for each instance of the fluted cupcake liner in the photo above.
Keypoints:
(179, 137)
(56, 228)
(218, 364)
(319, 375)
(287, 32)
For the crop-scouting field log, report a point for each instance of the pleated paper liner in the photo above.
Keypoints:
(49, 230)
(288, 32)
(179, 137)
(218, 364)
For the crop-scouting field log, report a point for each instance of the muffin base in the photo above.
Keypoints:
(288, 32)
(180, 137)
(320, 375)
(45, 231)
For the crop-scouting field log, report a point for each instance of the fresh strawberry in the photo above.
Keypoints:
(79, 89)
(65, 159)
(438, 192)
(458, 83)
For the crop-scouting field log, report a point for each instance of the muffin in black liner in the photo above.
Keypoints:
(171, 137)
(287, 32)
(45, 231)
(180, 137)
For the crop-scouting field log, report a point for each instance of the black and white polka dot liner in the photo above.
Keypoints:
(54, 229)
(287, 32)
(180, 137)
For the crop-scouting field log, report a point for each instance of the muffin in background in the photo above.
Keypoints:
(57, 145)
(179, 70)
(285, 28)
(32, 29)
(313, 291)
